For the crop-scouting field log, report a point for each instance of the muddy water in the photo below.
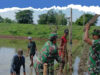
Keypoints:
(76, 66)
(6, 55)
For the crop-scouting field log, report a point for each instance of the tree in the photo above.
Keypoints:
(7, 20)
(52, 17)
(87, 18)
(43, 19)
(61, 19)
(25, 16)
(1, 19)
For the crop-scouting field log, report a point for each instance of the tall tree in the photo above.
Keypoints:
(7, 20)
(43, 19)
(1, 19)
(60, 18)
(25, 16)
(52, 17)
(80, 20)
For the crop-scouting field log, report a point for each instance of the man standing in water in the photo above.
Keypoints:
(17, 62)
(31, 49)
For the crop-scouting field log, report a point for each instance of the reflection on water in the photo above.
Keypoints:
(76, 66)
(6, 55)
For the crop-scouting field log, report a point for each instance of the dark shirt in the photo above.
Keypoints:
(32, 47)
(17, 63)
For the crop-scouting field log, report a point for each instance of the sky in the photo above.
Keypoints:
(8, 8)
(46, 3)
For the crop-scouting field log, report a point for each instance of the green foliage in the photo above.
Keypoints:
(25, 17)
(43, 19)
(52, 17)
(40, 31)
(1, 19)
(7, 20)
(60, 18)
(80, 20)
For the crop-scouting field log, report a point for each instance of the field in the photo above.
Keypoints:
(41, 32)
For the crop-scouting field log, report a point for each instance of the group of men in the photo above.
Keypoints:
(48, 50)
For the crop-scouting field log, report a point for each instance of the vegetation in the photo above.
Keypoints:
(85, 17)
(17, 44)
(39, 31)
(25, 17)
(6, 20)
(1, 19)
(52, 17)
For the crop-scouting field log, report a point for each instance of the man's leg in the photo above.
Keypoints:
(31, 58)
(17, 72)
(38, 68)
(12, 72)
(51, 68)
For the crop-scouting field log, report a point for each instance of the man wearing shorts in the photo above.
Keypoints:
(31, 49)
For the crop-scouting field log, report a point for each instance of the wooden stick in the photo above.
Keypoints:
(45, 69)
(70, 51)
(92, 20)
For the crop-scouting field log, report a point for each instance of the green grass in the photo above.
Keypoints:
(17, 44)
(41, 31)
(38, 31)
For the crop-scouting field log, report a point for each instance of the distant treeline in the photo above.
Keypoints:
(50, 18)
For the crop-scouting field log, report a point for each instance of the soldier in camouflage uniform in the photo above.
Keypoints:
(94, 53)
(47, 54)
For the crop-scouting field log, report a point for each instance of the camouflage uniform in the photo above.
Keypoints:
(94, 58)
(47, 55)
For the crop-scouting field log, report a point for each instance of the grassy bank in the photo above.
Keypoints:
(17, 44)
(39, 31)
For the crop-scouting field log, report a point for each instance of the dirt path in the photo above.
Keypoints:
(19, 37)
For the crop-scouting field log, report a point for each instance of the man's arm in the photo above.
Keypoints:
(35, 46)
(28, 49)
(13, 66)
(24, 66)
(86, 36)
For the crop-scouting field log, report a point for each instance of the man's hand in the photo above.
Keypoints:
(87, 27)
(27, 54)
(24, 73)
(14, 73)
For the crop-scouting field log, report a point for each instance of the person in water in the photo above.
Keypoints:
(48, 54)
(18, 61)
(31, 49)
(94, 52)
